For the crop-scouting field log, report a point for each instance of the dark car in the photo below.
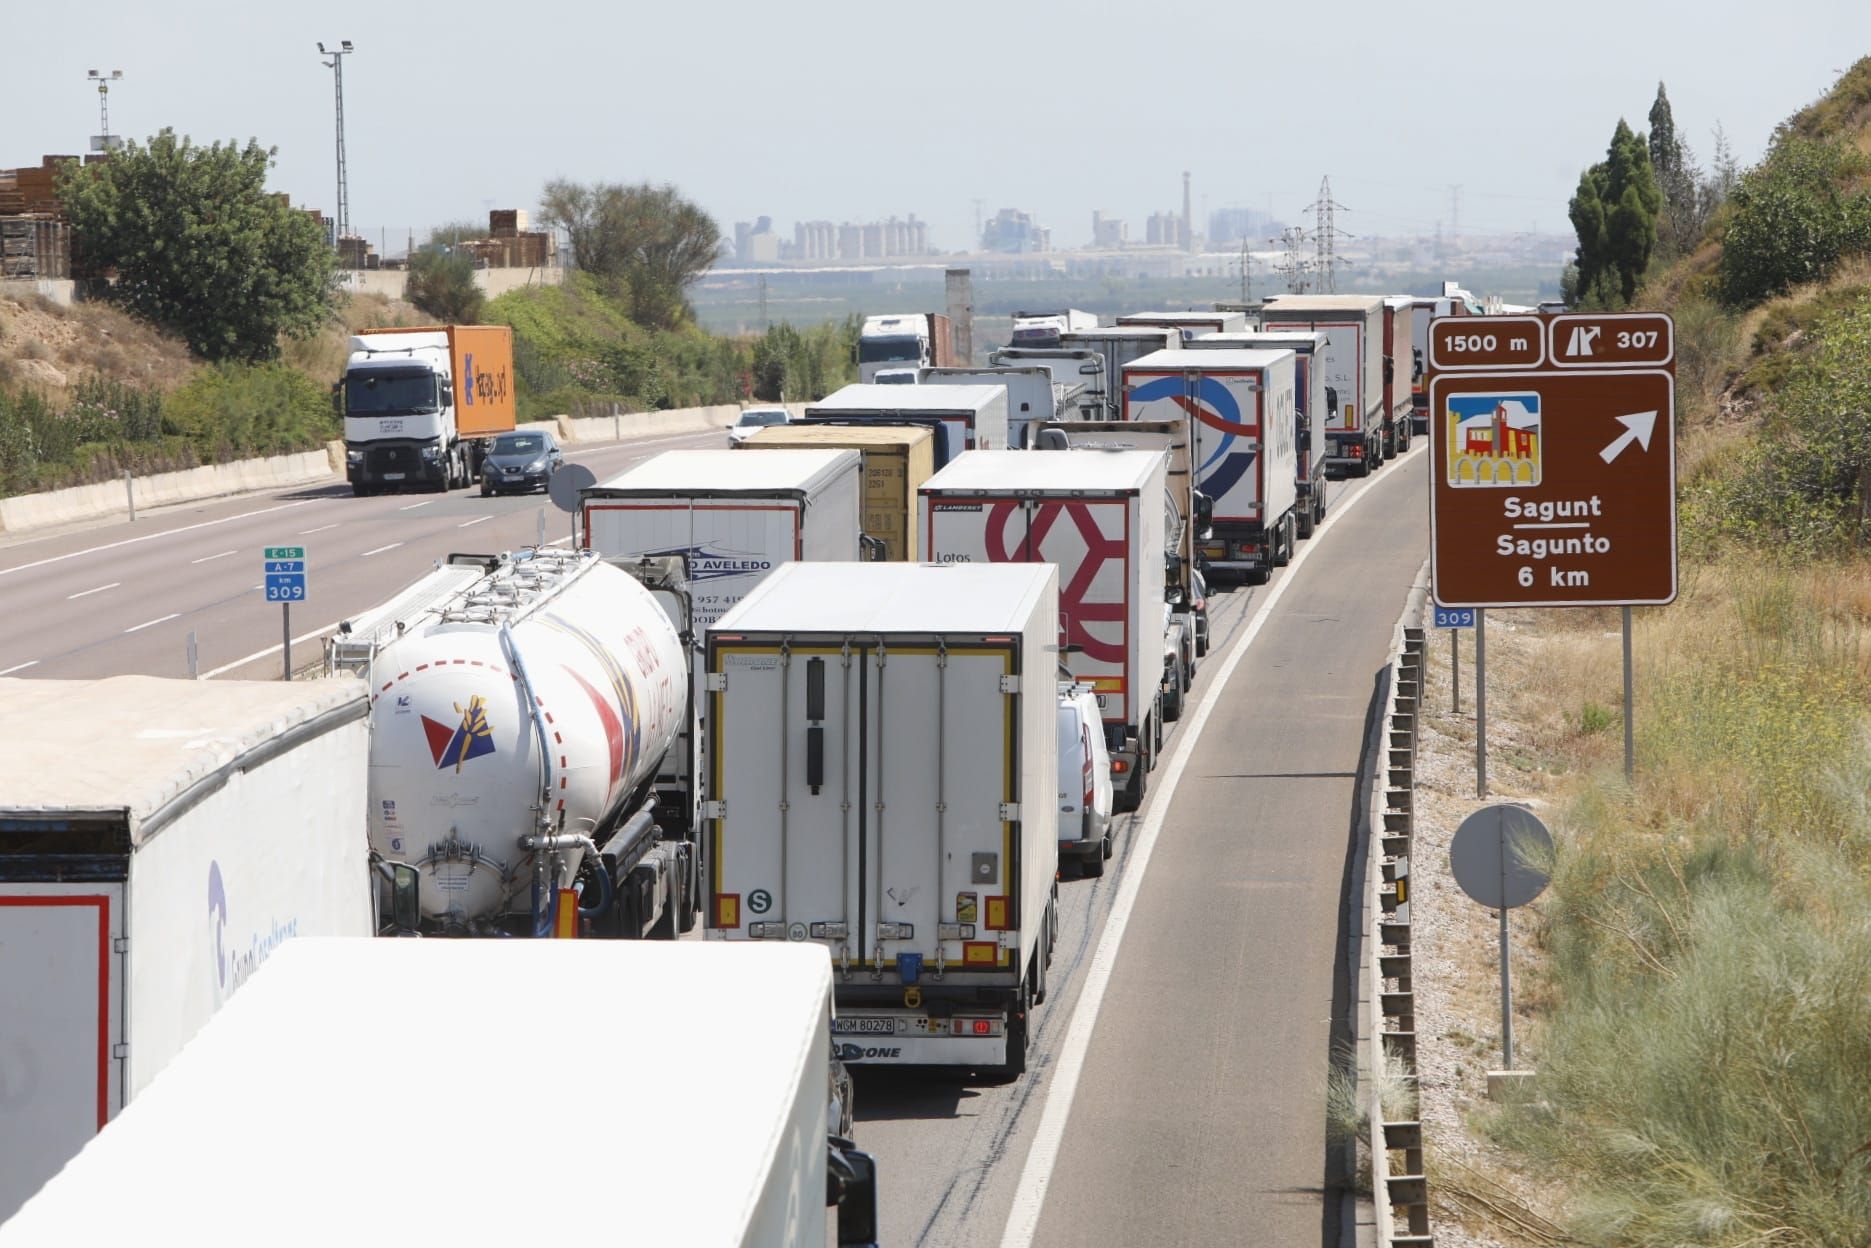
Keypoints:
(520, 461)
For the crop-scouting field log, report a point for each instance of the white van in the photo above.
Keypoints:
(1084, 780)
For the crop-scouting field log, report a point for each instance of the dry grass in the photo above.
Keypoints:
(87, 340)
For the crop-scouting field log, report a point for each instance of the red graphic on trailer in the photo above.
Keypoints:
(1076, 613)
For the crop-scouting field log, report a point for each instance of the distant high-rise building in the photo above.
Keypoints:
(1108, 231)
(1188, 222)
(1011, 230)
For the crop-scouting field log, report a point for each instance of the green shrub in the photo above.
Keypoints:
(1792, 218)
(235, 410)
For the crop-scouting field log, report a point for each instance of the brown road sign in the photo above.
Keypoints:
(1611, 340)
(1553, 488)
(1473, 342)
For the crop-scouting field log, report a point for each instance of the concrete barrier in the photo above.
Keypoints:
(91, 502)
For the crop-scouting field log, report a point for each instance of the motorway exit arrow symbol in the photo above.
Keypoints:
(1638, 427)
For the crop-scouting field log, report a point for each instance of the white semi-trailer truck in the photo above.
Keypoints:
(1118, 345)
(159, 840)
(294, 1117)
(1241, 408)
(518, 723)
(1099, 517)
(882, 783)
(1308, 348)
(1353, 326)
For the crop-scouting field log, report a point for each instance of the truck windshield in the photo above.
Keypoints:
(885, 350)
(389, 393)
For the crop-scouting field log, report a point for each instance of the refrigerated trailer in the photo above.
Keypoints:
(882, 779)
(1353, 326)
(1241, 407)
(159, 840)
(295, 1117)
(965, 418)
(1309, 390)
(1098, 516)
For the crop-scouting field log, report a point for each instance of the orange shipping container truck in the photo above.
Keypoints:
(421, 405)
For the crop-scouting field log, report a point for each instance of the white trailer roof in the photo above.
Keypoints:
(1264, 339)
(1174, 318)
(1076, 337)
(894, 597)
(130, 746)
(1212, 361)
(421, 1092)
(930, 401)
(1064, 472)
(717, 472)
(1322, 303)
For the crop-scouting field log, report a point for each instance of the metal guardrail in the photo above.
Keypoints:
(1400, 1193)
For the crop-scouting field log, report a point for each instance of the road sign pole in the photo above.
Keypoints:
(1481, 702)
(1455, 668)
(194, 662)
(285, 624)
(1507, 974)
(1630, 760)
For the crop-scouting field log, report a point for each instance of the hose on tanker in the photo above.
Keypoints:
(606, 892)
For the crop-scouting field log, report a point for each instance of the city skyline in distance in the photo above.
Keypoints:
(841, 118)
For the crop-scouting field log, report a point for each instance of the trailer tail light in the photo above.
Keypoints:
(980, 953)
(727, 909)
(975, 1026)
(996, 914)
(1119, 766)
(1357, 452)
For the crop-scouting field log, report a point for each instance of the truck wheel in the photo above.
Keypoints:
(1303, 521)
(1041, 957)
(1173, 695)
(1015, 1065)
(1091, 866)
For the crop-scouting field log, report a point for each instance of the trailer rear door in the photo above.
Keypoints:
(61, 1026)
(863, 783)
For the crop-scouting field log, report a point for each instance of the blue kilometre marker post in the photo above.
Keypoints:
(285, 584)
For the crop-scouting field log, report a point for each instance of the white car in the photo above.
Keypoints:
(1084, 780)
(753, 420)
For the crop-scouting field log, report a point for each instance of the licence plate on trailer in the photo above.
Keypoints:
(864, 1026)
(392, 476)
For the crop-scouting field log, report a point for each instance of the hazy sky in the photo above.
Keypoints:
(853, 111)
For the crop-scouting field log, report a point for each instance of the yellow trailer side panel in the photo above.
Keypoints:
(896, 461)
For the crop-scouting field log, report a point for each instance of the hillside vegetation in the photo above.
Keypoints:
(1707, 937)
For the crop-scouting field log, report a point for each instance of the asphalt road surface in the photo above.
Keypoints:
(1198, 1115)
(122, 597)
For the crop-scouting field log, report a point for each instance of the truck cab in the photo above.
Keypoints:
(420, 404)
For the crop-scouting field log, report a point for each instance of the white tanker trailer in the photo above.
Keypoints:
(520, 707)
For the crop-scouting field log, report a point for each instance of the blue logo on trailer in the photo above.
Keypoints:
(467, 368)
(1215, 406)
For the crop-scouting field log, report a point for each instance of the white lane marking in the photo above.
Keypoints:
(86, 593)
(1030, 1196)
(211, 558)
(19, 667)
(367, 554)
(468, 524)
(161, 619)
(150, 537)
(424, 503)
(320, 529)
(261, 654)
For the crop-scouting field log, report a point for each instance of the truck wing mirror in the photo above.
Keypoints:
(1090, 369)
(1204, 510)
(405, 897)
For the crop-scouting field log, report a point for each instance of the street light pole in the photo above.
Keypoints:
(100, 142)
(341, 219)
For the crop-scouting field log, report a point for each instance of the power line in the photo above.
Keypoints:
(1325, 235)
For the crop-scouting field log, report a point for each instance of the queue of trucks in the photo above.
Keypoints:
(869, 689)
